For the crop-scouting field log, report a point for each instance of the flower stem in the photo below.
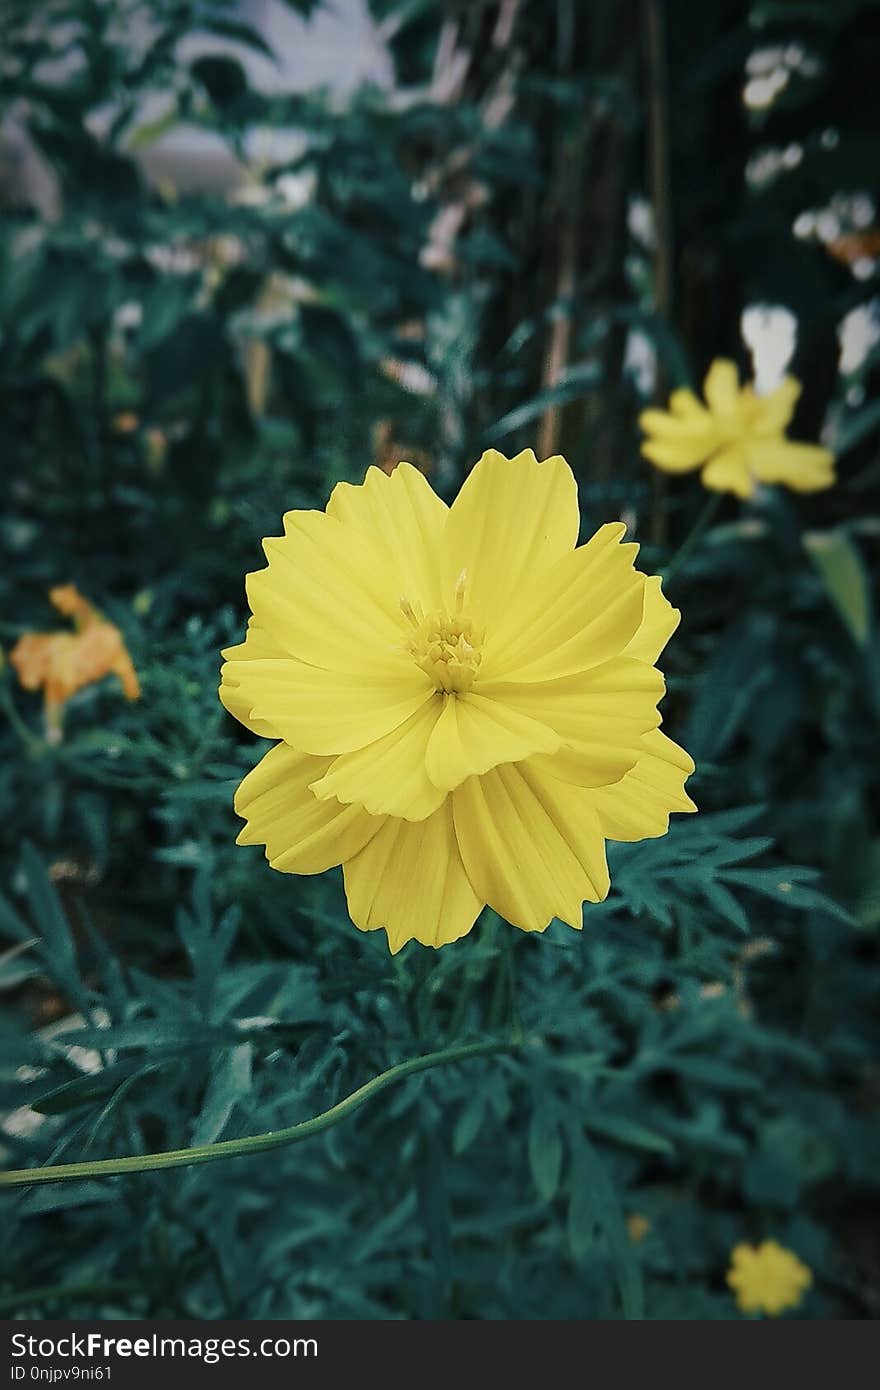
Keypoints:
(510, 966)
(255, 1143)
(701, 525)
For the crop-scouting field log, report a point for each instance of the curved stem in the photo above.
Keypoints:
(702, 523)
(255, 1143)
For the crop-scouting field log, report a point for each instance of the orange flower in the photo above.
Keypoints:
(63, 662)
(857, 246)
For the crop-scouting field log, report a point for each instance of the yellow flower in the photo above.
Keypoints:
(63, 662)
(767, 1278)
(464, 703)
(737, 438)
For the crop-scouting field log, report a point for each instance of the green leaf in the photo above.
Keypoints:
(583, 1217)
(725, 904)
(712, 1073)
(469, 1123)
(13, 970)
(769, 1180)
(575, 382)
(729, 686)
(627, 1131)
(13, 925)
(856, 427)
(85, 1090)
(545, 1149)
(60, 1198)
(47, 911)
(786, 885)
(841, 567)
(56, 944)
(595, 1205)
(433, 1203)
(230, 1082)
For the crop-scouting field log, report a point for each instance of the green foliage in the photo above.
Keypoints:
(179, 367)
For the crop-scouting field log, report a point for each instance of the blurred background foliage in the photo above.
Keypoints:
(248, 248)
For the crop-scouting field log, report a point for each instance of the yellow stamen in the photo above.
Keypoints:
(409, 612)
(460, 586)
(448, 648)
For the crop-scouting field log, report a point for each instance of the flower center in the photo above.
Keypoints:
(447, 646)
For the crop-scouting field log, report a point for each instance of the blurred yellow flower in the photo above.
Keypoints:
(63, 662)
(737, 438)
(767, 1278)
(465, 704)
(637, 1226)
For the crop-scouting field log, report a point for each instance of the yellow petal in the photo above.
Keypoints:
(329, 597)
(403, 515)
(678, 456)
(802, 467)
(600, 714)
(662, 422)
(326, 712)
(659, 621)
(389, 777)
(684, 404)
(678, 424)
(721, 387)
(774, 411)
(728, 471)
(474, 734)
(532, 846)
(638, 806)
(257, 645)
(512, 519)
(410, 879)
(302, 835)
(694, 436)
(576, 615)
(238, 706)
